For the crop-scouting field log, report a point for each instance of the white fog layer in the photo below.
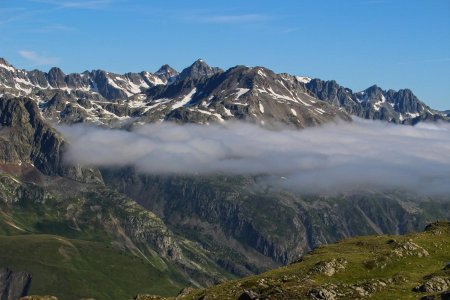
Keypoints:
(336, 156)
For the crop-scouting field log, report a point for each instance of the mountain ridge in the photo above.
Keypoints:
(400, 106)
(204, 94)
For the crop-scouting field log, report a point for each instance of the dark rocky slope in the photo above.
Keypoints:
(242, 221)
(27, 139)
(13, 285)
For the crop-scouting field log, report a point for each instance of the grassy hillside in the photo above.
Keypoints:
(380, 267)
(73, 269)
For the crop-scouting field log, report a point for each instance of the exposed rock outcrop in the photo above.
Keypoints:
(409, 248)
(13, 285)
(27, 139)
(330, 267)
(433, 285)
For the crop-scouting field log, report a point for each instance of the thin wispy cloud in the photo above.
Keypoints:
(77, 4)
(223, 17)
(377, 1)
(37, 59)
(11, 15)
(290, 30)
(53, 28)
(246, 18)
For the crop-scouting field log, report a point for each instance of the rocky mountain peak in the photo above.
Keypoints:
(331, 92)
(321, 86)
(166, 69)
(374, 90)
(100, 73)
(4, 65)
(199, 69)
(56, 72)
(200, 62)
(4, 62)
(407, 93)
(56, 77)
(167, 72)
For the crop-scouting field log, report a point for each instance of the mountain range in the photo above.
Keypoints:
(173, 231)
(203, 94)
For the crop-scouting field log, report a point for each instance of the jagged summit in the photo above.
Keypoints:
(4, 62)
(5, 66)
(373, 89)
(167, 73)
(199, 69)
(166, 69)
(375, 103)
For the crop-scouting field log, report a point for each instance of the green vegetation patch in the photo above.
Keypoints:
(73, 269)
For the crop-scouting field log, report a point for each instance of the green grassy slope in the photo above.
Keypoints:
(72, 269)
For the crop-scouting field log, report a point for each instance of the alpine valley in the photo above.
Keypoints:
(75, 232)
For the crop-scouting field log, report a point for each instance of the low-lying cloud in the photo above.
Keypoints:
(334, 157)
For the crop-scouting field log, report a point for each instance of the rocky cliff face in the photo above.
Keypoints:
(199, 69)
(244, 222)
(13, 285)
(27, 139)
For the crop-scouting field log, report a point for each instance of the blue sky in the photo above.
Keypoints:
(392, 43)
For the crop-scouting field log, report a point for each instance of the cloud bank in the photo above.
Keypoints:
(334, 157)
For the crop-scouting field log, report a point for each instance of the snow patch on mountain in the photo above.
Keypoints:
(261, 107)
(9, 68)
(240, 92)
(185, 100)
(303, 79)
